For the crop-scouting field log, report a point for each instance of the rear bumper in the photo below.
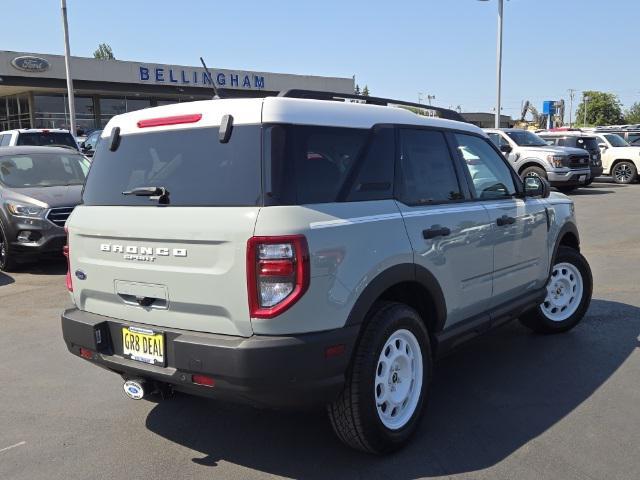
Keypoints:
(596, 171)
(290, 371)
(570, 177)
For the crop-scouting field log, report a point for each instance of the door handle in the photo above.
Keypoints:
(505, 220)
(435, 232)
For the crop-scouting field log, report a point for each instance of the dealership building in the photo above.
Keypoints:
(33, 89)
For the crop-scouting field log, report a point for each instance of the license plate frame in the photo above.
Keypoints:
(142, 345)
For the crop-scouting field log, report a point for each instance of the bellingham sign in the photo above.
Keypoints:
(197, 77)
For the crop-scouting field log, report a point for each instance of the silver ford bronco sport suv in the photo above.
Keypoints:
(292, 252)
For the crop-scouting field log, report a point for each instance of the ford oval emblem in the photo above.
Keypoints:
(133, 389)
(81, 275)
(29, 63)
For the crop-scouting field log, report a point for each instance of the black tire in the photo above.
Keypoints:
(539, 321)
(567, 189)
(589, 182)
(354, 415)
(7, 262)
(533, 171)
(624, 172)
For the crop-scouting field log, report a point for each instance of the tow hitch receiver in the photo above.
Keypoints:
(134, 389)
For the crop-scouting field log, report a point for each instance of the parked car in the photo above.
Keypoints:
(291, 252)
(630, 135)
(578, 139)
(88, 145)
(39, 187)
(619, 159)
(565, 168)
(38, 137)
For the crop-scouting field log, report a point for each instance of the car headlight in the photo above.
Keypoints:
(557, 161)
(25, 210)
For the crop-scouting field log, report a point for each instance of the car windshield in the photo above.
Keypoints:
(46, 139)
(616, 140)
(43, 170)
(523, 138)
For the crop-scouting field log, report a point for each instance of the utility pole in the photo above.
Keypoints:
(67, 59)
(585, 99)
(572, 93)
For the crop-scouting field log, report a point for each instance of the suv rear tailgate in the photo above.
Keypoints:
(188, 262)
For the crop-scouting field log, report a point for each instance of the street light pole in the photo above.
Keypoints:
(72, 106)
(586, 100)
(499, 62)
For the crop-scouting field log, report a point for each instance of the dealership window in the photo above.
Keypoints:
(115, 106)
(14, 112)
(52, 111)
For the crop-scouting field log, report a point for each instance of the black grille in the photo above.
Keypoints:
(578, 161)
(59, 215)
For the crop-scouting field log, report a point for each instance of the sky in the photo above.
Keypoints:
(445, 48)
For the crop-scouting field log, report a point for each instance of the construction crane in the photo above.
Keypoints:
(552, 116)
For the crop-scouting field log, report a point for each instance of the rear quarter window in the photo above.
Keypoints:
(316, 164)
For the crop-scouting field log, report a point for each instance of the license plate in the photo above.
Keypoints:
(143, 345)
(582, 178)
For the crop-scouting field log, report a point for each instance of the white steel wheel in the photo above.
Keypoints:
(564, 292)
(398, 379)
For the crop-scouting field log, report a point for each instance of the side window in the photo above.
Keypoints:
(373, 179)
(427, 171)
(497, 139)
(6, 139)
(491, 176)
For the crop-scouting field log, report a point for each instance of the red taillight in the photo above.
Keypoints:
(86, 353)
(203, 380)
(175, 120)
(65, 251)
(277, 273)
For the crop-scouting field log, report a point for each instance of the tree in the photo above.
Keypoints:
(602, 109)
(104, 52)
(633, 114)
(357, 90)
(365, 91)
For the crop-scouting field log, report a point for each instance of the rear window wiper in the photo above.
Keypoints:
(159, 193)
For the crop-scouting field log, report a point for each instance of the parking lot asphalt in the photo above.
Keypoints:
(510, 405)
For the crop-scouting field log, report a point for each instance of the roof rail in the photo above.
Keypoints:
(341, 97)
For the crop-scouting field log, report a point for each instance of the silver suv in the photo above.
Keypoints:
(565, 168)
(295, 252)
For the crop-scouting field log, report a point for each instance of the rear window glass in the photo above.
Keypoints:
(43, 170)
(191, 164)
(311, 164)
(46, 139)
(588, 143)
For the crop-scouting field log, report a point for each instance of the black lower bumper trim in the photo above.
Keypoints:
(278, 371)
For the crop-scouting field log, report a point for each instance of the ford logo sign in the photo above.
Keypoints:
(30, 63)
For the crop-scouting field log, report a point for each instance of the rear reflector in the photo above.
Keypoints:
(86, 353)
(175, 120)
(334, 351)
(65, 252)
(203, 380)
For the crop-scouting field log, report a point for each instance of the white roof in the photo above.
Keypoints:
(24, 130)
(280, 110)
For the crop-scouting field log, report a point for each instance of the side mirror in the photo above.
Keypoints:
(536, 187)
(603, 146)
(505, 148)
(82, 145)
